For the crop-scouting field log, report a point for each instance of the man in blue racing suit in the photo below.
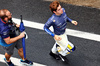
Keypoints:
(9, 39)
(58, 20)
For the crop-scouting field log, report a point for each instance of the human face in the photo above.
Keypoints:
(59, 10)
(9, 15)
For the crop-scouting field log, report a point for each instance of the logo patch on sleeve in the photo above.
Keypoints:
(53, 20)
(4, 33)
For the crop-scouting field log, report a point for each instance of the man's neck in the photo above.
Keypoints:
(3, 21)
(57, 14)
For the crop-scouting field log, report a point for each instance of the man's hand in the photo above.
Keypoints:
(17, 25)
(22, 35)
(56, 37)
(74, 22)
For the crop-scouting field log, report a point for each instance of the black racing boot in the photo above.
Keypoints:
(63, 58)
(54, 55)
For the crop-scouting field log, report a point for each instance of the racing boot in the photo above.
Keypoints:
(63, 58)
(54, 55)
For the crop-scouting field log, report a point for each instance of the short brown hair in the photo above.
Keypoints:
(53, 6)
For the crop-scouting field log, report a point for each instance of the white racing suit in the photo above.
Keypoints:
(64, 47)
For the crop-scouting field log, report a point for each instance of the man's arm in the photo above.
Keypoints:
(74, 22)
(69, 20)
(12, 40)
(46, 27)
(48, 31)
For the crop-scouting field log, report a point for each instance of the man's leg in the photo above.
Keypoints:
(54, 49)
(8, 53)
(63, 54)
(70, 48)
(7, 56)
(53, 52)
(23, 60)
(20, 52)
(18, 46)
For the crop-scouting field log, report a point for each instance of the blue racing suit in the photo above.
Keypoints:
(59, 24)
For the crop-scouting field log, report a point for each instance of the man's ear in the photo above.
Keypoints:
(6, 19)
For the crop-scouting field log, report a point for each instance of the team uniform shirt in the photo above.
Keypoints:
(6, 31)
(59, 24)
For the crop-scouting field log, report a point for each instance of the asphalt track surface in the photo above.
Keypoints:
(39, 43)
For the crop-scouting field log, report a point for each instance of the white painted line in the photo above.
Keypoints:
(76, 33)
(16, 61)
(29, 24)
(85, 35)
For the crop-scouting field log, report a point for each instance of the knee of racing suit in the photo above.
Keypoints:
(62, 52)
(65, 52)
